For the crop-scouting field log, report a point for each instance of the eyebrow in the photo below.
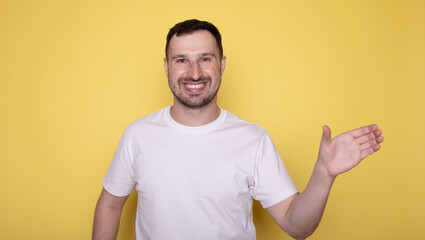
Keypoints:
(207, 54)
(200, 54)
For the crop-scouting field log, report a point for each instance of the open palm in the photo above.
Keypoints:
(348, 149)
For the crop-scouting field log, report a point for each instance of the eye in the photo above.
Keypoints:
(206, 59)
(181, 60)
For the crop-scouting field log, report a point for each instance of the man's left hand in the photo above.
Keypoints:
(348, 149)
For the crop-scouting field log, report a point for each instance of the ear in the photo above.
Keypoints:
(223, 64)
(166, 66)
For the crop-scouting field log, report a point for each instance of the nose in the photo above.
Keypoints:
(195, 71)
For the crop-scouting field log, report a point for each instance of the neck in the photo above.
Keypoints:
(194, 117)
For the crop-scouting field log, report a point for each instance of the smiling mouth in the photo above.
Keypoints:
(194, 86)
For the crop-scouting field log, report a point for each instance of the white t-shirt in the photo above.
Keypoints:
(197, 182)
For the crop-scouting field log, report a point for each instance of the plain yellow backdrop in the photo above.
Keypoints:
(74, 74)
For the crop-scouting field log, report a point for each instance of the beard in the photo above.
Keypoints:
(195, 101)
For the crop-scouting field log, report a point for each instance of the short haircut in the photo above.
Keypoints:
(190, 26)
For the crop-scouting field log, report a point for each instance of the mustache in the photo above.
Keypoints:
(190, 79)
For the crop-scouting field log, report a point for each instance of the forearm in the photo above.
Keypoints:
(304, 214)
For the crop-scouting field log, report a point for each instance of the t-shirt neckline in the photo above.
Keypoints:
(198, 129)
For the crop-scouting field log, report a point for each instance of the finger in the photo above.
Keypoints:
(326, 135)
(373, 135)
(368, 144)
(358, 132)
(370, 150)
(372, 142)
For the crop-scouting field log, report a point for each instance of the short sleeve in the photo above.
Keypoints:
(272, 182)
(119, 179)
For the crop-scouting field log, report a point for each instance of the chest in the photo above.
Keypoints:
(206, 164)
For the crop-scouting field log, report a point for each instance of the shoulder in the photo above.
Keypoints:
(153, 120)
(236, 123)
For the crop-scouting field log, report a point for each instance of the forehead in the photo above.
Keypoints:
(201, 41)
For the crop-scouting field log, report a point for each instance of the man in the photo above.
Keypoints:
(196, 167)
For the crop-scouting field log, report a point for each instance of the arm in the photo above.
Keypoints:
(300, 214)
(107, 216)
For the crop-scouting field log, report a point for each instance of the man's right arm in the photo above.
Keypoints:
(107, 216)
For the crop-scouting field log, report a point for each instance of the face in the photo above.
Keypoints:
(194, 69)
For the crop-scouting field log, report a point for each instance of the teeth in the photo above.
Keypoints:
(193, 86)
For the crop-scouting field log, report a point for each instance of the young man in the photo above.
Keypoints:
(196, 167)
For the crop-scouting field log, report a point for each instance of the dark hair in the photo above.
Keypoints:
(190, 26)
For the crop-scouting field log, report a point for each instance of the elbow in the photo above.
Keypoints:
(301, 235)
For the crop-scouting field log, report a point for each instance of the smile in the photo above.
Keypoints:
(194, 86)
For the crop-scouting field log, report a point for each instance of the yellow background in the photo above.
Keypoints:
(74, 74)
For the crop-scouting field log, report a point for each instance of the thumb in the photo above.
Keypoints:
(326, 136)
